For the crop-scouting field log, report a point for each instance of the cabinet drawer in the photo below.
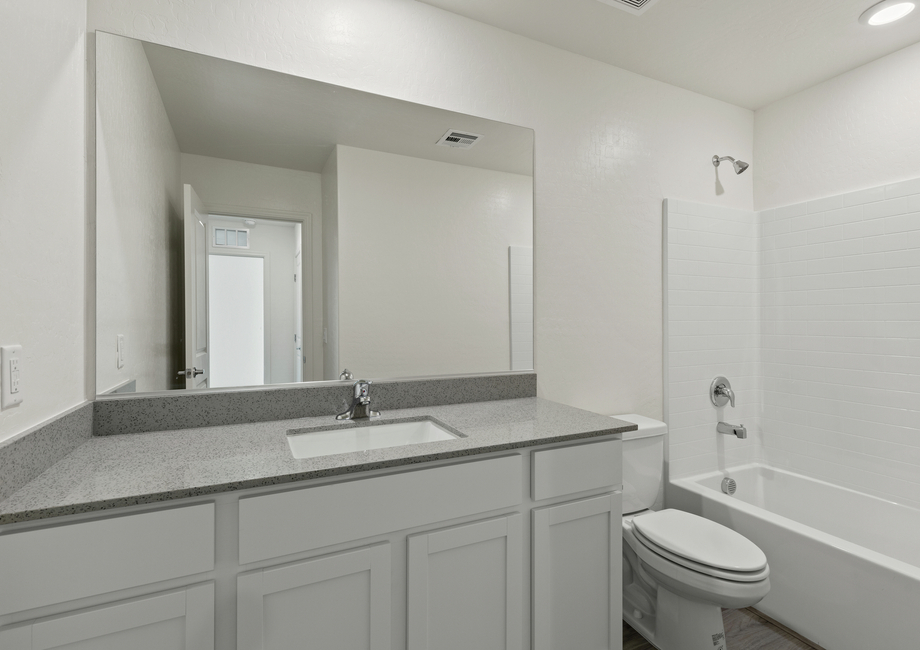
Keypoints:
(280, 524)
(569, 470)
(174, 620)
(62, 563)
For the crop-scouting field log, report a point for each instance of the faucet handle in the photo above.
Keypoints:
(720, 392)
(363, 390)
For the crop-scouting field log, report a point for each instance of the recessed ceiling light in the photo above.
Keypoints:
(886, 12)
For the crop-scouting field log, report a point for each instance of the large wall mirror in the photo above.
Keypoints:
(259, 228)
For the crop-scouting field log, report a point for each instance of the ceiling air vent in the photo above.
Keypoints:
(635, 7)
(461, 139)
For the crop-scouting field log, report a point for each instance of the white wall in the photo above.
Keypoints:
(841, 343)
(139, 247)
(330, 191)
(856, 131)
(260, 190)
(423, 264)
(610, 145)
(245, 185)
(713, 324)
(42, 225)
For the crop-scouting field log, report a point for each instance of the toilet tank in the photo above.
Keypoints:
(643, 463)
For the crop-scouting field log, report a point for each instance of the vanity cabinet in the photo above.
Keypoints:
(465, 587)
(505, 551)
(333, 601)
(577, 600)
(177, 620)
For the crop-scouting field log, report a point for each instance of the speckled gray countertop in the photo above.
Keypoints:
(115, 471)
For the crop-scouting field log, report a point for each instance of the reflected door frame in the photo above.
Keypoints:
(310, 235)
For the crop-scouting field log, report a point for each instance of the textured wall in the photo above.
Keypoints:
(841, 342)
(610, 145)
(139, 285)
(856, 131)
(423, 264)
(42, 226)
(330, 325)
(713, 329)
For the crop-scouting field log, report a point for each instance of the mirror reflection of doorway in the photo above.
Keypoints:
(254, 329)
(236, 307)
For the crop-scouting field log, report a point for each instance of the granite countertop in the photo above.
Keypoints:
(115, 471)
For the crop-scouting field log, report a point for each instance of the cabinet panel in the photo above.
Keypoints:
(176, 620)
(569, 470)
(309, 518)
(61, 563)
(576, 575)
(466, 587)
(339, 601)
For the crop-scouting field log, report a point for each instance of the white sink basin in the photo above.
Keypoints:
(342, 439)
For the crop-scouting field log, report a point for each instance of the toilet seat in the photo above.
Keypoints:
(699, 544)
(704, 585)
(735, 576)
(700, 541)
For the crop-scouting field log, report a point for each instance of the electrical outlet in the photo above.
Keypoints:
(10, 376)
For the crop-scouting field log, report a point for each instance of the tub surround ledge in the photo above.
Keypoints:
(114, 471)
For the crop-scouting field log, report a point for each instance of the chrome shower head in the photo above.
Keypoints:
(739, 165)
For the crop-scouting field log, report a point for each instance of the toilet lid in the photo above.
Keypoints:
(700, 540)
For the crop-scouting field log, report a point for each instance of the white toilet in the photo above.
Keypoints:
(679, 570)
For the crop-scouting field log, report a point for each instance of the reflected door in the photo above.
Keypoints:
(236, 313)
(197, 368)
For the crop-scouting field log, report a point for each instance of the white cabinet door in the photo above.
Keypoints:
(176, 620)
(577, 595)
(466, 587)
(333, 602)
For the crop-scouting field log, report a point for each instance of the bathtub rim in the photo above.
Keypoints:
(886, 562)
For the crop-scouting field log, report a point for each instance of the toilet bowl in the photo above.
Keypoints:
(679, 570)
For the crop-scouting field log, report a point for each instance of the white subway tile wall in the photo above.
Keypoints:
(813, 311)
(841, 340)
(713, 328)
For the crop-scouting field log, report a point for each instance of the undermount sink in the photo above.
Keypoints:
(345, 438)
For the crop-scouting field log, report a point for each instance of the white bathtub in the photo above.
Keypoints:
(844, 566)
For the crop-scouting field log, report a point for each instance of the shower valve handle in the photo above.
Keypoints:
(721, 393)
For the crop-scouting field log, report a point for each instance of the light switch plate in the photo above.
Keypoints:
(10, 376)
(120, 350)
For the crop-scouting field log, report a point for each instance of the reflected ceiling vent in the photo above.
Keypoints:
(635, 7)
(461, 139)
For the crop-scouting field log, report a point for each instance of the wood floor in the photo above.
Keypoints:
(745, 629)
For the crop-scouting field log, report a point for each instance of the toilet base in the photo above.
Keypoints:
(688, 624)
(679, 623)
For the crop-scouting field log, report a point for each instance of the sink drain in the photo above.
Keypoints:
(729, 486)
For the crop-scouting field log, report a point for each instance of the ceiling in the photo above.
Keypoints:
(746, 52)
(233, 111)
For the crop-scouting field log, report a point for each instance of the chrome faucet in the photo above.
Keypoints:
(360, 403)
(720, 392)
(737, 430)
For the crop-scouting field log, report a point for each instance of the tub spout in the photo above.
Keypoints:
(732, 429)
